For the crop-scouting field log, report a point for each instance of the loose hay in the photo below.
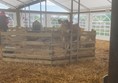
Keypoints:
(82, 72)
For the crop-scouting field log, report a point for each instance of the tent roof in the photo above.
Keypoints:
(86, 5)
(19, 3)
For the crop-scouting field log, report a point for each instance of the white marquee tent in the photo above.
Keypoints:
(86, 5)
(88, 18)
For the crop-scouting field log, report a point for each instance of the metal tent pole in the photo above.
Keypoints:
(113, 61)
(41, 12)
(89, 23)
(18, 18)
(29, 18)
(25, 18)
(71, 26)
(45, 13)
(78, 34)
(25, 12)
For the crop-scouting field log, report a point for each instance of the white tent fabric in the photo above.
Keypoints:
(86, 5)
(15, 3)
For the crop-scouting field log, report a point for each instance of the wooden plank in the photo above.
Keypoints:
(36, 43)
(85, 49)
(24, 50)
(86, 58)
(23, 56)
(27, 34)
(82, 54)
(87, 42)
(73, 60)
(48, 62)
(63, 61)
(12, 33)
(45, 62)
(82, 49)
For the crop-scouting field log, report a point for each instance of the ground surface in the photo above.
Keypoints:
(90, 71)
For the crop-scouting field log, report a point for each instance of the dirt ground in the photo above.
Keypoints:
(90, 71)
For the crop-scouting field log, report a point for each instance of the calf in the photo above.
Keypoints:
(65, 31)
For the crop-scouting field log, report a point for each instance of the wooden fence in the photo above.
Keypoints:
(45, 47)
